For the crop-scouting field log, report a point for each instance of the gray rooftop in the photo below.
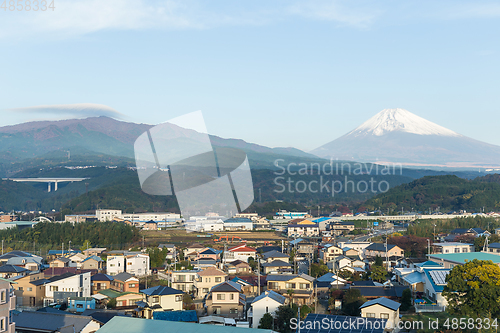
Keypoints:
(393, 305)
(45, 321)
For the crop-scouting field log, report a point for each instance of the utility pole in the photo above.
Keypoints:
(143, 241)
(69, 248)
(2, 246)
(258, 273)
(386, 254)
(62, 252)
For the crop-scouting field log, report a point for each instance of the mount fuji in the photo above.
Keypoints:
(399, 136)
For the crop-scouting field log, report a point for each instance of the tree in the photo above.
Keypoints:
(406, 300)
(319, 269)
(378, 261)
(284, 315)
(187, 301)
(352, 301)
(111, 303)
(378, 273)
(473, 289)
(290, 293)
(266, 321)
(304, 311)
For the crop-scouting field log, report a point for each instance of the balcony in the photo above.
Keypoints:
(12, 302)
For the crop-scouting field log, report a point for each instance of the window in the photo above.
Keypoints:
(384, 315)
(205, 290)
(231, 297)
(233, 311)
(217, 279)
(370, 315)
(3, 326)
(3, 296)
(267, 309)
(29, 289)
(79, 306)
(216, 310)
(178, 298)
(131, 285)
(304, 286)
(156, 299)
(290, 285)
(54, 288)
(221, 297)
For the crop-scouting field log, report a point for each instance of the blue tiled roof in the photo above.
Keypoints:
(393, 305)
(271, 294)
(184, 316)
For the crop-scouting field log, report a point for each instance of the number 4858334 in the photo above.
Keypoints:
(27, 5)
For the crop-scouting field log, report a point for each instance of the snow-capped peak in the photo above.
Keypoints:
(391, 120)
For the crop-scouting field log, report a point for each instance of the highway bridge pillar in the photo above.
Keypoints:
(55, 186)
(49, 187)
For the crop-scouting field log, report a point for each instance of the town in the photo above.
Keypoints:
(246, 271)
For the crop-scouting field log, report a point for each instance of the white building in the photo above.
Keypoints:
(239, 252)
(358, 246)
(104, 215)
(157, 217)
(238, 223)
(267, 302)
(138, 264)
(67, 285)
(115, 265)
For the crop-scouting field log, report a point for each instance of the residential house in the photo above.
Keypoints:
(61, 262)
(276, 266)
(207, 279)
(76, 259)
(227, 300)
(261, 223)
(92, 262)
(97, 251)
(329, 252)
(303, 247)
(349, 252)
(124, 300)
(30, 263)
(302, 286)
(337, 228)
(192, 250)
(36, 321)
(125, 282)
(238, 267)
(100, 282)
(59, 288)
(382, 308)
(239, 252)
(30, 289)
(452, 247)
(138, 264)
(273, 255)
(10, 271)
(476, 232)
(201, 264)
(434, 282)
(115, 264)
(7, 305)
(250, 284)
(302, 228)
(358, 246)
(80, 304)
(185, 280)
(324, 283)
(378, 249)
(267, 302)
(208, 253)
(161, 298)
(17, 254)
(493, 248)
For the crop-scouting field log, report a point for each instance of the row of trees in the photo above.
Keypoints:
(106, 234)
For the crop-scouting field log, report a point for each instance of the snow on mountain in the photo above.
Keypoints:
(390, 120)
(399, 136)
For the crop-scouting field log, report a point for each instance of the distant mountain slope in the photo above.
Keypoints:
(448, 193)
(398, 136)
(104, 135)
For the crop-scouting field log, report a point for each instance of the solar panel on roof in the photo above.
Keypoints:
(342, 324)
(439, 276)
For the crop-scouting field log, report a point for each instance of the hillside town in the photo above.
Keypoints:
(317, 267)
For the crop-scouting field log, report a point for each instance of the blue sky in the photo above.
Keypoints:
(277, 73)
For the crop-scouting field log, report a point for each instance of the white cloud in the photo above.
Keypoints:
(80, 17)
